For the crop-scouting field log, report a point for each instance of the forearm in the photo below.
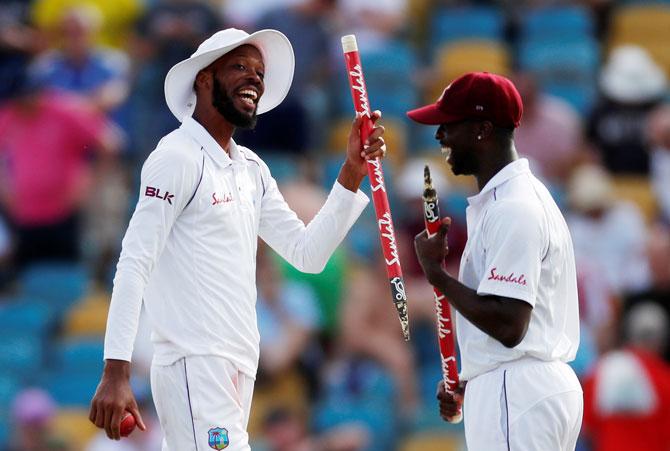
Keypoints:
(491, 314)
(308, 248)
(349, 177)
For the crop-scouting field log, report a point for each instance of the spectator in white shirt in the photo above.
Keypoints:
(608, 233)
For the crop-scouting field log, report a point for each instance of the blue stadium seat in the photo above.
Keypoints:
(74, 377)
(566, 68)
(450, 24)
(70, 388)
(560, 21)
(9, 387)
(557, 56)
(388, 76)
(60, 284)
(81, 355)
(4, 428)
(21, 354)
(24, 315)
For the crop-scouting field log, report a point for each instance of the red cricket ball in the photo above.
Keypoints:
(127, 424)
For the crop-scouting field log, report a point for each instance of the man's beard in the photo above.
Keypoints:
(225, 106)
(464, 163)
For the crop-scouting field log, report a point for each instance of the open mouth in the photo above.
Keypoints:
(447, 152)
(248, 96)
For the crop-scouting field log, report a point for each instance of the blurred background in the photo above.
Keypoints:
(81, 106)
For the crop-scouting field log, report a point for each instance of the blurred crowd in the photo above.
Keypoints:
(82, 105)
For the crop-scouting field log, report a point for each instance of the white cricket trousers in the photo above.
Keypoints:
(525, 405)
(203, 403)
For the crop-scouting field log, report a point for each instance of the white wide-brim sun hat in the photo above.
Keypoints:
(277, 56)
(632, 76)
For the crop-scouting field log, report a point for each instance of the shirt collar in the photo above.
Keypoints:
(194, 129)
(513, 169)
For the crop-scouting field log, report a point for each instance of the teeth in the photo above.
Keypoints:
(446, 151)
(253, 95)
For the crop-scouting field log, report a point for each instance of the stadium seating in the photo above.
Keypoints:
(644, 25)
(456, 58)
(9, 386)
(88, 318)
(551, 22)
(565, 68)
(21, 355)
(395, 137)
(75, 425)
(637, 190)
(60, 285)
(74, 376)
(70, 389)
(4, 430)
(388, 72)
(641, 22)
(81, 355)
(432, 441)
(558, 45)
(25, 315)
(452, 24)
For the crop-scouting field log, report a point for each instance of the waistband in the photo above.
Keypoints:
(522, 362)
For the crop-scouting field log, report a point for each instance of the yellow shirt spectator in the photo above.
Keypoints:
(117, 17)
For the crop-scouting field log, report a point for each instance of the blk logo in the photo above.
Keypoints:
(156, 192)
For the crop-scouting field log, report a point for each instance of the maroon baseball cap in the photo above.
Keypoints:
(475, 95)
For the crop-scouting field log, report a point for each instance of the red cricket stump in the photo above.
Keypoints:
(359, 94)
(431, 216)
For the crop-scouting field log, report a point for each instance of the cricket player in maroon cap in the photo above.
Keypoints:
(515, 297)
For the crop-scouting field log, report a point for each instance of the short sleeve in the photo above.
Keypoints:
(514, 243)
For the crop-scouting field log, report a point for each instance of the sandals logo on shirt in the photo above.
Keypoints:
(218, 438)
(221, 199)
(511, 278)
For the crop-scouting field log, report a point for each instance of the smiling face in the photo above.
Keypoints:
(457, 141)
(237, 85)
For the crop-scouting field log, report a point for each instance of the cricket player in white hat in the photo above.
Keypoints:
(190, 249)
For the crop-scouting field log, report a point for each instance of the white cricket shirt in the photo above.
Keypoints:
(192, 258)
(519, 247)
